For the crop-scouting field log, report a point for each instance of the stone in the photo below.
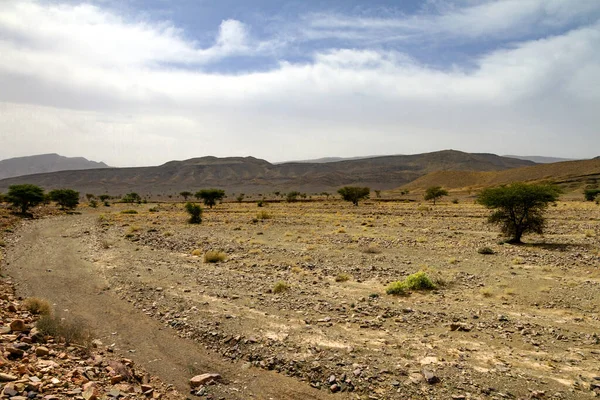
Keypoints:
(7, 377)
(204, 379)
(42, 351)
(18, 325)
(334, 388)
(430, 377)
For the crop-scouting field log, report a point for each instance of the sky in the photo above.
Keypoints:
(143, 82)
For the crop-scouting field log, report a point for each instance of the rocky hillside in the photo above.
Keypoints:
(44, 163)
(251, 175)
(569, 174)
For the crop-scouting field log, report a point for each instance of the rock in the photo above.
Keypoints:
(42, 351)
(460, 327)
(430, 377)
(17, 325)
(204, 379)
(334, 388)
(7, 377)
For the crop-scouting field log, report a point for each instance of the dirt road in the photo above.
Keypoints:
(48, 259)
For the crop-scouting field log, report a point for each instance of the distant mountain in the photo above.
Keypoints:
(44, 163)
(252, 175)
(541, 159)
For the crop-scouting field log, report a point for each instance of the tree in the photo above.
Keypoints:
(90, 196)
(354, 193)
(210, 196)
(185, 195)
(65, 198)
(25, 196)
(132, 197)
(434, 193)
(195, 212)
(591, 194)
(378, 193)
(292, 196)
(519, 207)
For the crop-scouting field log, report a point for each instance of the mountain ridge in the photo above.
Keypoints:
(253, 175)
(44, 163)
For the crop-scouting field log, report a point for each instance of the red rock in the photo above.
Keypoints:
(204, 379)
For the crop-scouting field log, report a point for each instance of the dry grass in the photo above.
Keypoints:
(37, 306)
(371, 249)
(197, 252)
(214, 256)
(70, 330)
(280, 287)
(343, 277)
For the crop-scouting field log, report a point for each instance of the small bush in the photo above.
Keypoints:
(37, 306)
(486, 292)
(263, 215)
(154, 210)
(129, 212)
(396, 288)
(342, 278)
(214, 256)
(197, 252)
(518, 261)
(485, 250)
(71, 331)
(195, 212)
(280, 287)
(417, 281)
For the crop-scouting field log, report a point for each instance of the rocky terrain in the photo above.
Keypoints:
(301, 291)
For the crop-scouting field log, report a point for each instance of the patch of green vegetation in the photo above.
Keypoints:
(416, 281)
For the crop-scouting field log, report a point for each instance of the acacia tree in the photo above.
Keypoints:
(185, 195)
(434, 193)
(25, 196)
(65, 198)
(519, 207)
(132, 197)
(354, 193)
(210, 196)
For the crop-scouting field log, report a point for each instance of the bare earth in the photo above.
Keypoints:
(520, 323)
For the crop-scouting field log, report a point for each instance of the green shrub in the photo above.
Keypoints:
(195, 212)
(416, 281)
(129, 212)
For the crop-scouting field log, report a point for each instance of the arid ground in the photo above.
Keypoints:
(522, 322)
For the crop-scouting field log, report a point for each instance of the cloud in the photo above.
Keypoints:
(507, 19)
(131, 92)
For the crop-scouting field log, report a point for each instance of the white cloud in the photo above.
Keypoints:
(473, 21)
(79, 80)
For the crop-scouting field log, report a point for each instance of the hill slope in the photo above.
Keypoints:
(570, 174)
(251, 175)
(44, 163)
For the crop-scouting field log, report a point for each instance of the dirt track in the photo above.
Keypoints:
(47, 259)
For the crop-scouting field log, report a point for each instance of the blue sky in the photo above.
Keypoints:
(144, 82)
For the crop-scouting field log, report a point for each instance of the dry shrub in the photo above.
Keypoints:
(197, 252)
(280, 287)
(70, 330)
(37, 306)
(214, 256)
(371, 249)
(342, 278)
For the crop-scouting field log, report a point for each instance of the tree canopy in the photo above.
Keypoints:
(519, 207)
(65, 198)
(210, 196)
(25, 196)
(195, 212)
(185, 194)
(354, 193)
(434, 193)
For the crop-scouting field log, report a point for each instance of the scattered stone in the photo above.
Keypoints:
(18, 325)
(204, 379)
(430, 377)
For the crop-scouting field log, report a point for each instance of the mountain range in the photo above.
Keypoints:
(252, 175)
(42, 163)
